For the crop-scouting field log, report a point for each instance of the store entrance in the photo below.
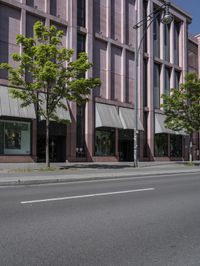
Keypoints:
(126, 145)
(56, 149)
(57, 142)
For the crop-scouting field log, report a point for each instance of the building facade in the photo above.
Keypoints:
(193, 61)
(103, 129)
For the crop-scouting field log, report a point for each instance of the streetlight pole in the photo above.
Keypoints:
(165, 19)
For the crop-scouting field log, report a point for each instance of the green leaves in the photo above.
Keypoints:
(45, 66)
(182, 107)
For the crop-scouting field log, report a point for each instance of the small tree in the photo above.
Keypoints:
(53, 74)
(182, 107)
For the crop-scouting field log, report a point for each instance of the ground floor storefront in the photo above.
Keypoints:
(22, 137)
(24, 141)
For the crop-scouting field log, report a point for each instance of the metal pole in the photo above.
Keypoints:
(135, 138)
(150, 18)
(137, 50)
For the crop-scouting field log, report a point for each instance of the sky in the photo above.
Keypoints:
(193, 8)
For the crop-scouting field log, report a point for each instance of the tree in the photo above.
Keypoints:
(54, 74)
(182, 107)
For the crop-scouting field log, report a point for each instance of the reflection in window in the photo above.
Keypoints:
(176, 42)
(177, 79)
(105, 142)
(145, 82)
(80, 129)
(167, 81)
(156, 36)
(156, 83)
(81, 13)
(15, 137)
(167, 42)
(175, 146)
(161, 145)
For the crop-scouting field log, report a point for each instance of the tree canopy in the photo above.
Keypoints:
(182, 106)
(46, 68)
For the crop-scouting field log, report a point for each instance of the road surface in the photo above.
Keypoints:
(145, 221)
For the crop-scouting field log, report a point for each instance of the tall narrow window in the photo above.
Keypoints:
(80, 43)
(177, 79)
(156, 89)
(80, 112)
(167, 81)
(176, 42)
(145, 6)
(145, 83)
(81, 13)
(167, 42)
(30, 3)
(80, 130)
(156, 36)
(53, 7)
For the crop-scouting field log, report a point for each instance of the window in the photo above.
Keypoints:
(15, 137)
(156, 83)
(177, 79)
(145, 7)
(81, 13)
(167, 42)
(105, 142)
(193, 61)
(161, 145)
(145, 83)
(80, 113)
(80, 43)
(175, 146)
(167, 81)
(53, 7)
(80, 133)
(156, 36)
(30, 3)
(176, 42)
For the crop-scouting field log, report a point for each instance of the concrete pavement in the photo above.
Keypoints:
(123, 223)
(24, 174)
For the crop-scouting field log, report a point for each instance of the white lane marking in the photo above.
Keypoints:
(87, 196)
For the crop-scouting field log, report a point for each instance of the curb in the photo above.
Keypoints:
(112, 176)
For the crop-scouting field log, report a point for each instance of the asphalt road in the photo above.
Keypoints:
(142, 222)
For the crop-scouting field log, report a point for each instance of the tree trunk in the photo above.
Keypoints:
(190, 150)
(47, 143)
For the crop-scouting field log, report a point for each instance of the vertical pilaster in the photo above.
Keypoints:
(150, 69)
(198, 39)
(123, 59)
(140, 33)
(47, 6)
(90, 106)
(162, 55)
(123, 76)
(72, 44)
(108, 55)
(172, 43)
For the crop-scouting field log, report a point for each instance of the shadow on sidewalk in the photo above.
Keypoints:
(95, 166)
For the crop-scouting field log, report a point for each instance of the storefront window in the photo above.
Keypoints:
(175, 146)
(105, 142)
(161, 145)
(14, 137)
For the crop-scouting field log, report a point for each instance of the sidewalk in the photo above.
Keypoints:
(24, 174)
